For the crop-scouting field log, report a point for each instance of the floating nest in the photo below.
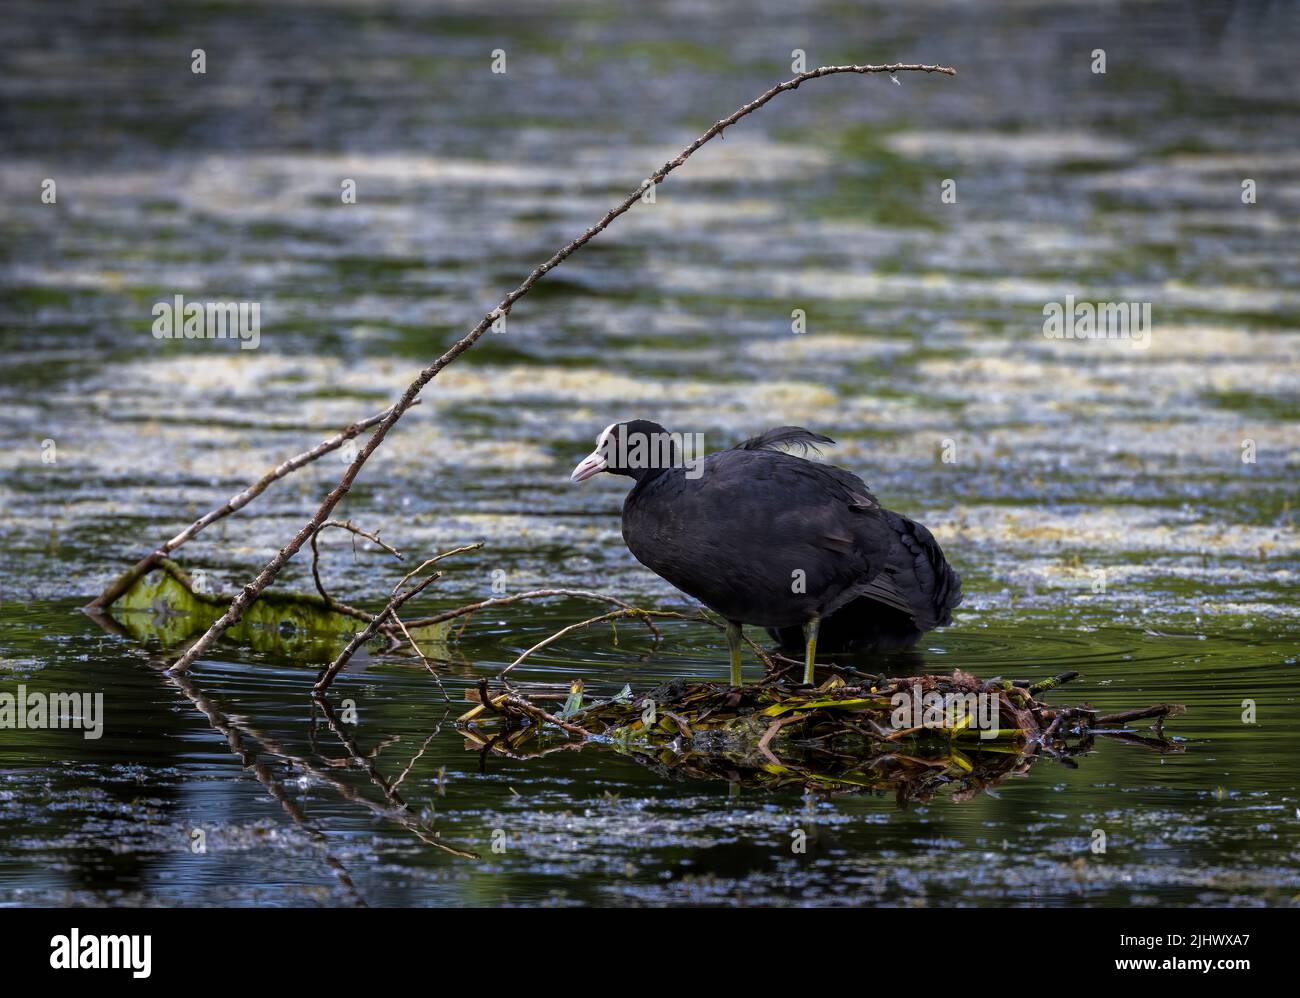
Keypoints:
(912, 736)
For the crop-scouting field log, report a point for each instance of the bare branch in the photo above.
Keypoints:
(434, 560)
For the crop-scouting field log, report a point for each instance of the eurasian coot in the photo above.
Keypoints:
(763, 537)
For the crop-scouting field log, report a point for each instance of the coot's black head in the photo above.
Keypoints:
(638, 449)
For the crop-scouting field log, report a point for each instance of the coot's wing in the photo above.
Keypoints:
(917, 578)
(797, 514)
(760, 536)
(855, 492)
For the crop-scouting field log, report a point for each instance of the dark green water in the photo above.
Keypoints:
(1076, 463)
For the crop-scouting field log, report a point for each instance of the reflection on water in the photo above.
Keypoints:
(1098, 507)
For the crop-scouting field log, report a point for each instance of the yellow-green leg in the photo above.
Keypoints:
(810, 633)
(734, 632)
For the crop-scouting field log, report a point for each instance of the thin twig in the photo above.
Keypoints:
(369, 631)
(434, 560)
(335, 605)
(487, 604)
(423, 657)
(612, 615)
(252, 590)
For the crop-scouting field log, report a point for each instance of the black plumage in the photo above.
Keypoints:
(768, 538)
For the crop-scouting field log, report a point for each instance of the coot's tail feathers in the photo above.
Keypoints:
(920, 574)
(785, 436)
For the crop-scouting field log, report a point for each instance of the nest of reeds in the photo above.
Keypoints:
(913, 736)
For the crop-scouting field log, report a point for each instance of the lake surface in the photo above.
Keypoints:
(1093, 495)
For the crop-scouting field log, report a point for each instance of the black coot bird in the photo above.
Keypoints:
(766, 538)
